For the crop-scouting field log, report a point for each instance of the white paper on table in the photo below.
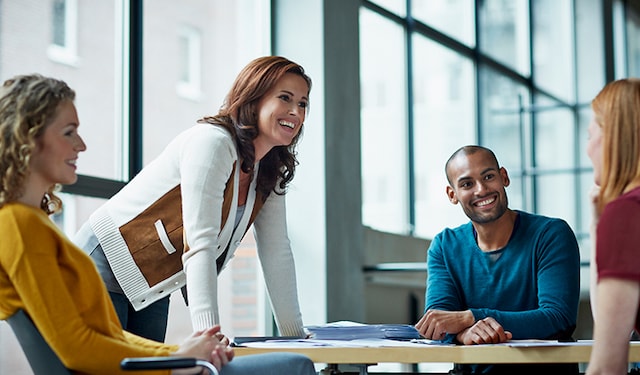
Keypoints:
(357, 343)
(538, 343)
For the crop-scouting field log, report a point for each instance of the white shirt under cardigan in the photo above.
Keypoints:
(201, 160)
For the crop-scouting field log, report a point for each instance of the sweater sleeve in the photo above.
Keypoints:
(276, 258)
(61, 291)
(441, 293)
(557, 280)
(149, 344)
(206, 163)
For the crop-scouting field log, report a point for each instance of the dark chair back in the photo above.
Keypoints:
(42, 359)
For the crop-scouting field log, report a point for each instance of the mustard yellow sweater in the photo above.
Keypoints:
(57, 284)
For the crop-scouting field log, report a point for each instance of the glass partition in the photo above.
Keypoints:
(553, 41)
(444, 119)
(633, 39)
(383, 123)
(503, 33)
(79, 42)
(455, 18)
(191, 56)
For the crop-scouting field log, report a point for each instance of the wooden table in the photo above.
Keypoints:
(366, 356)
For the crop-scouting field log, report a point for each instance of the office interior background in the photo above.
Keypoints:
(398, 85)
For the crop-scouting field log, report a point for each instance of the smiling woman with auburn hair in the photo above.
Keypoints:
(177, 224)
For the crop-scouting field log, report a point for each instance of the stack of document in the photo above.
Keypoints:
(347, 330)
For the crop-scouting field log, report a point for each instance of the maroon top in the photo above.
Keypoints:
(618, 240)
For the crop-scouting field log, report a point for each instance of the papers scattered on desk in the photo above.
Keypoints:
(381, 343)
(358, 343)
(349, 334)
(346, 330)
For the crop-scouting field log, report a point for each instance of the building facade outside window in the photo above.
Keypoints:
(64, 32)
(190, 56)
(190, 71)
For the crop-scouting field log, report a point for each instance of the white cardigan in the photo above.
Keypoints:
(201, 161)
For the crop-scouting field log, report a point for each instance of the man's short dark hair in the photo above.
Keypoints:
(468, 150)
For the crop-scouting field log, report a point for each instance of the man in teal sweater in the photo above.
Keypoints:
(505, 275)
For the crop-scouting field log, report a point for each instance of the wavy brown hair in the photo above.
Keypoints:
(28, 104)
(239, 115)
(617, 111)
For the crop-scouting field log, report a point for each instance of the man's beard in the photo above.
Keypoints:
(488, 217)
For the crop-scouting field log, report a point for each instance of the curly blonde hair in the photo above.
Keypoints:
(28, 104)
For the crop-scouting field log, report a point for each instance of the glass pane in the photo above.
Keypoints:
(585, 220)
(455, 18)
(586, 184)
(384, 124)
(553, 47)
(553, 134)
(584, 118)
(53, 40)
(190, 64)
(516, 191)
(589, 49)
(87, 64)
(76, 211)
(395, 6)
(552, 201)
(443, 105)
(58, 23)
(633, 39)
(503, 118)
(184, 68)
(504, 32)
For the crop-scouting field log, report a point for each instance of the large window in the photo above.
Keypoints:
(439, 13)
(516, 76)
(384, 118)
(443, 106)
(143, 71)
(503, 27)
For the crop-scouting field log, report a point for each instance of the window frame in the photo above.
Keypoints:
(67, 52)
(190, 88)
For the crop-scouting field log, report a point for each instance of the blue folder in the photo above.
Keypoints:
(354, 331)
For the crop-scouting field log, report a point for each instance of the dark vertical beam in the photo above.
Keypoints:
(345, 238)
(135, 87)
(410, 121)
(478, 83)
(274, 21)
(531, 164)
(608, 28)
